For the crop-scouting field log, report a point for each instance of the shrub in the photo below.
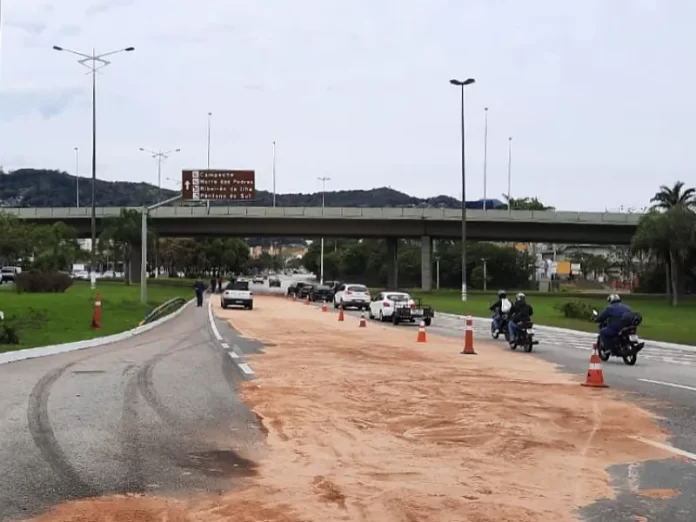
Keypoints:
(576, 309)
(35, 281)
(9, 333)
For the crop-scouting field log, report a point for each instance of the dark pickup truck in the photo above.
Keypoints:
(294, 288)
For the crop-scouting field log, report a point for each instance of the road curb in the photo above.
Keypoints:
(589, 335)
(44, 351)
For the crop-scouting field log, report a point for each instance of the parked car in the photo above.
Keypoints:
(8, 273)
(399, 307)
(321, 293)
(294, 288)
(274, 282)
(304, 291)
(258, 280)
(352, 295)
(237, 293)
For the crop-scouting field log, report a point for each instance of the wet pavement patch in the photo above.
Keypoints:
(657, 490)
(220, 463)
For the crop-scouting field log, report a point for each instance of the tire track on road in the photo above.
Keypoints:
(45, 439)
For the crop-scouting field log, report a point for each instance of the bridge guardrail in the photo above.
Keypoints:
(436, 214)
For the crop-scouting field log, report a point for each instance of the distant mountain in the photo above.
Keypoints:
(52, 188)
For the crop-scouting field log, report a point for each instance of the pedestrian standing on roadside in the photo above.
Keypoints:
(199, 288)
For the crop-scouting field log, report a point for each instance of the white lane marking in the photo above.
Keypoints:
(246, 368)
(669, 384)
(633, 477)
(216, 332)
(233, 355)
(667, 447)
(225, 346)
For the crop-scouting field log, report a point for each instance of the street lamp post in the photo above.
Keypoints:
(77, 176)
(274, 175)
(93, 62)
(485, 156)
(509, 195)
(321, 261)
(461, 85)
(159, 156)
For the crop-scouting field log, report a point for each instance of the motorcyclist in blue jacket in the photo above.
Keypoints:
(609, 319)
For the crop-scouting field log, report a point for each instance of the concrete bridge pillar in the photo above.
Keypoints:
(135, 264)
(426, 263)
(392, 262)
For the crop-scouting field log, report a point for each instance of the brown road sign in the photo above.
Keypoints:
(208, 185)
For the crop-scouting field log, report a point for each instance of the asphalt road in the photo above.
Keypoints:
(671, 394)
(157, 413)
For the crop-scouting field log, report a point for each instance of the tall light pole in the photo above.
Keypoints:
(77, 176)
(321, 262)
(485, 156)
(210, 114)
(461, 85)
(159, 156)
(509, 194)
(93, 62)
(274, 175)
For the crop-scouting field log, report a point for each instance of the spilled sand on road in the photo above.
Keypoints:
(365, 424)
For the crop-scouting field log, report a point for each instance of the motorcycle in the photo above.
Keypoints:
(524, 337)
(503, 327)
(626, 344)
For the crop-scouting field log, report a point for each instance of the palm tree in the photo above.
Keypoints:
(668, 231)
(124, 232)
(668, 198)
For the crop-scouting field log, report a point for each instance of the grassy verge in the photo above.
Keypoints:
(61, 318)
(661, 322)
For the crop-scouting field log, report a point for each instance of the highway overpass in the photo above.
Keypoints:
(390, 223)
(493, 225)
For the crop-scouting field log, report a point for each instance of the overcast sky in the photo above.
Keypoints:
(598, 94)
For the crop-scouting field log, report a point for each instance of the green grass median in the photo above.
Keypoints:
(661, 322)
(53, 318)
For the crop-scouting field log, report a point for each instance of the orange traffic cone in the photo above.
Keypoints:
(96, 314)
(595, 376)
(340, 312)
(308, 301)
(362, 323)
(324, 308)
(421, 333)
(469, 337)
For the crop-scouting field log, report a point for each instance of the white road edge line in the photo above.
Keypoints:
(247, 370)
(216, 332)
(233, 355)
(666, 447)
(683, 387)
(225, 346)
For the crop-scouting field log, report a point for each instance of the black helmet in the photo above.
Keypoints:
(502, 294)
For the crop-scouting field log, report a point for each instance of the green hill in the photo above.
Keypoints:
(52, 188)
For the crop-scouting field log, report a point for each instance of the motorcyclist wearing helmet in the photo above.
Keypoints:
(520, 312)
(500, 307)
(609, 319)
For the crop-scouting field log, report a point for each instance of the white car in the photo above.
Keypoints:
(383, 305)
(352, 295)
(237, 293)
